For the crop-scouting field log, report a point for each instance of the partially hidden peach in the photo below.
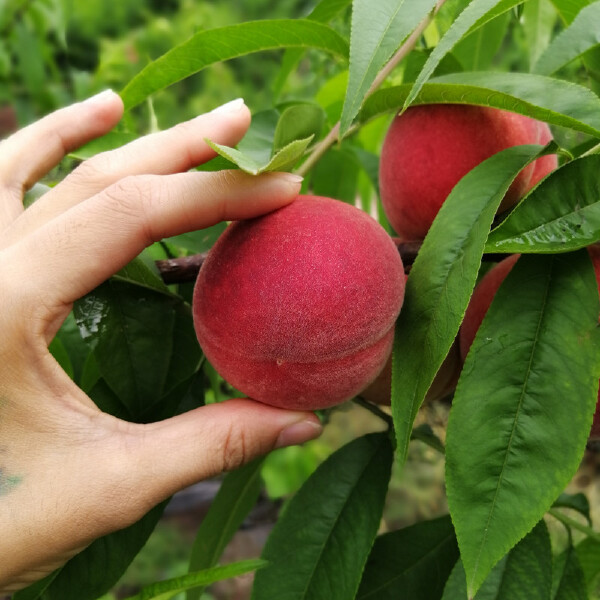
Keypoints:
(429, 148)
(442, 386)
(297, 308)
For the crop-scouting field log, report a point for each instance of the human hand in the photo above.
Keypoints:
(68, 472)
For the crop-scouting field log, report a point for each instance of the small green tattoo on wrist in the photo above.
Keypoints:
(8, 482)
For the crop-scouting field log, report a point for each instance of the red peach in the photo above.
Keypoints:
(297, 308)
(546, 164)
(429, 148)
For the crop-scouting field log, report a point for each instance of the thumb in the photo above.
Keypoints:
(215, 438)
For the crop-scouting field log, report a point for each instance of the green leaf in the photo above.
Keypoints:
(142, 274)
(287, 157)
(525, 574)
(410, 564)
(578, 502)
(441, 281)
(376, 35)
(336, 175)
(198, 241)
(216, 45)
(186, 354)
(539, 18)
(456, 586)
(568, 9)
(475, 14)
(523, 407)
(588, 554)
(323, 12)
(297, 122)
(244, 161)
(77, 350)
(130, 331)
(258, 141)
(236, 497)
(582, 35)
(165, 590)
(282, 160)
(320, 544)
(110, 141)
(568, 581)
(326, 10)
(557, 102)
(476, 51)
(501, 8)
(559, 215)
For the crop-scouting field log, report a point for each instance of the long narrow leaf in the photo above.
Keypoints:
(236, 497)
(216, 45)
(441, 281)
(560, 215)
(569, 578)
(569, 9)
(524, 574)
(320, 545)
(376, 34)
(523, 406)
(474, 13)
(165, 590)
(557, 102)
(582, 35)
(410, 564)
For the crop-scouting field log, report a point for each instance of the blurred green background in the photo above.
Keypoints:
(54, 52)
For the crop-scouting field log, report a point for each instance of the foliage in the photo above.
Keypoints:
(523, 407)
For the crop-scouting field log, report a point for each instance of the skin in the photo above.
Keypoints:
(68, 472)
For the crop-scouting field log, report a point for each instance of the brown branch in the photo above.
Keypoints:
(180, 270)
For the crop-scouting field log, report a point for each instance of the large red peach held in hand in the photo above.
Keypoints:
(297, 308)
(429, 148)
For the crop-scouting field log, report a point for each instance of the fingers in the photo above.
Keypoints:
(33, 151)
(77, 251)
(172, 151)
(215, 438)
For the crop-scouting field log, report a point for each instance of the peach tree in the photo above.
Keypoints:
(524, 403)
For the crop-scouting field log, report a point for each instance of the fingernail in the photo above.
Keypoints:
(299, 433)
(291, 177)
(101, 97)
(229, 107)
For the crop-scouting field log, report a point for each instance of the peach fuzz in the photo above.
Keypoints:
(297, 308)
(482, 298)
(429, 148)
